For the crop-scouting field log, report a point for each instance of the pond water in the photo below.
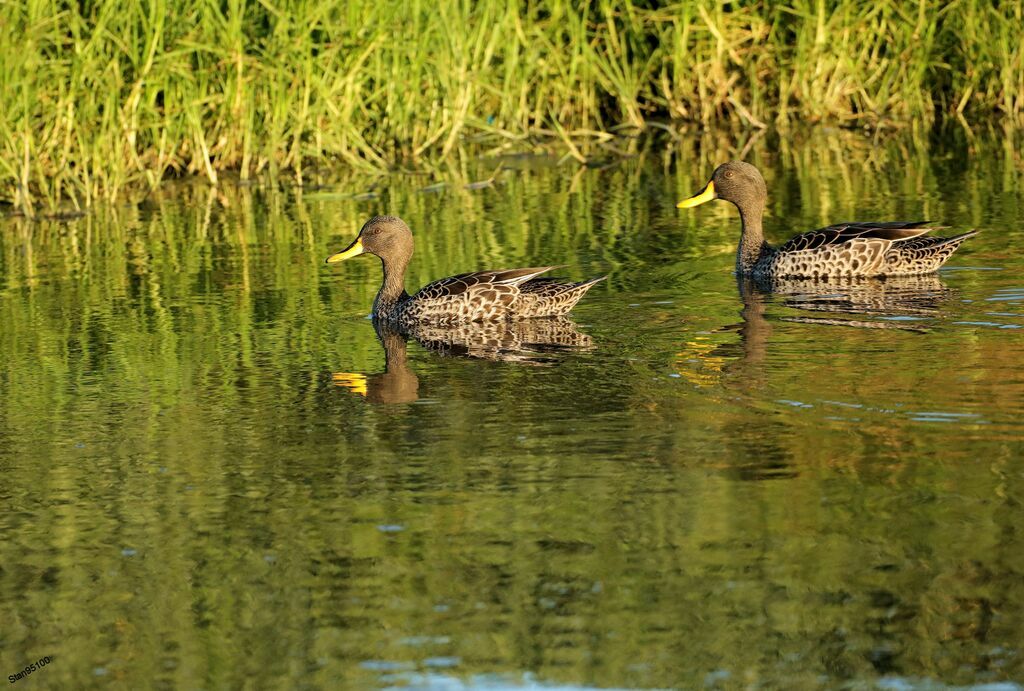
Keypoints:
(215, 475)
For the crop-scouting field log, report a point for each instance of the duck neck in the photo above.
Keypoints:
(392, 288)
(752, 244)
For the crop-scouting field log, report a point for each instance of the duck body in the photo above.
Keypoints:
(886, 248)
(470, 297)
(483, 296)
(874, 248)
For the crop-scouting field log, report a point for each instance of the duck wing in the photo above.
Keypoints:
(888, 248)
(457, 285)
(888, 231)
(477, 296)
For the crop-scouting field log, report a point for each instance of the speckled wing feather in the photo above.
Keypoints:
(854, 257)
(893, 231)
(923, 255)
(551, 297)
(456, 285)
(860, 249)
(478, 296)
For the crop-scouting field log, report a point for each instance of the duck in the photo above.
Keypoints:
(859, 248)
(502, 294)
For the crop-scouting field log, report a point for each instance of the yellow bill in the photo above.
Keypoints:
(353, 250)
(707, 195)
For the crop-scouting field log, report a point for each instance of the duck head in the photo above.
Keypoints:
(736, 182)
(387, 237)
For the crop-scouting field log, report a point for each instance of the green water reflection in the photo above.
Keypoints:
(216, 475)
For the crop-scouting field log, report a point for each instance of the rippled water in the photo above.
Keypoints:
(215, 474)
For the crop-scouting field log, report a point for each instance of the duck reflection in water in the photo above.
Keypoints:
(902, 303)
(396, 384)
(528, 342)
(743, 370)
(865, 303)
(885, 298)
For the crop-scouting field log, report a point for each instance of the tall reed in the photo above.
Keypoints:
(100, 96)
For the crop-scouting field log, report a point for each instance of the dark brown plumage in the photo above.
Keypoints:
(882, 248)
(469, 297)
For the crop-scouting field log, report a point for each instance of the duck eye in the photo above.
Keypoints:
(728, 174)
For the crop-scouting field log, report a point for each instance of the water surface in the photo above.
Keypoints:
(215, 474)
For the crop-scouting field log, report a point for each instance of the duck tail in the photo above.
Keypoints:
(590, 282)
(924, 255)
(574, 293)
(959, 238)
(551, 297)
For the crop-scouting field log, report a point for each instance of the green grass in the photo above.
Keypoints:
(102, 97)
